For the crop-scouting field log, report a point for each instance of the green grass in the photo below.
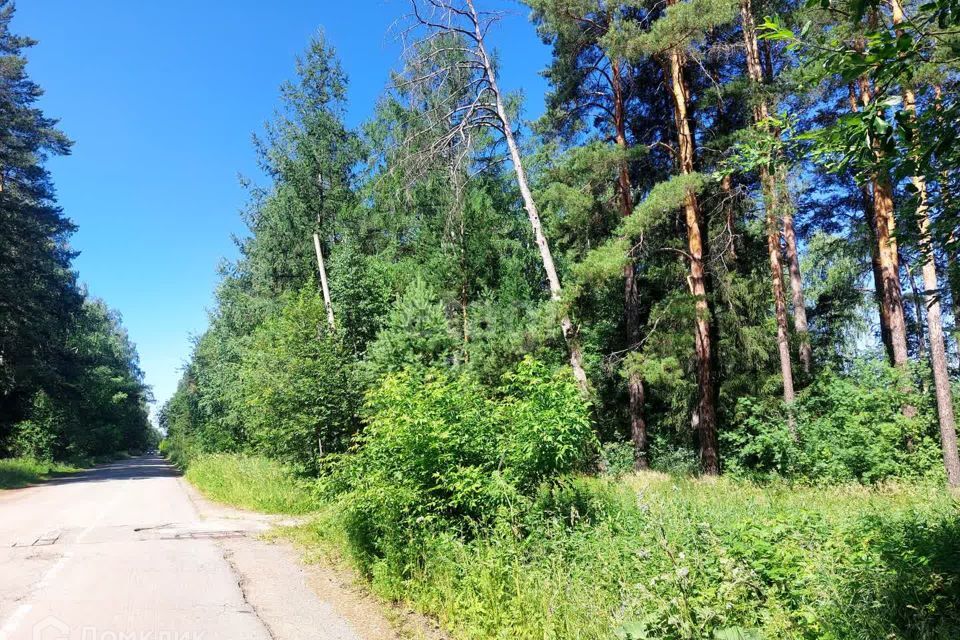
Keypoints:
(652, 556)
(251, 482)
(21, 472)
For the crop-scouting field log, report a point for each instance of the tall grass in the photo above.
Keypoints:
(21, 472)
(653, 556)
(251, 482)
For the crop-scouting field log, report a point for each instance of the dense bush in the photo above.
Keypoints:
(848, 427)
(414, 334)
(298, 384)
(38, 437)
(442, 452)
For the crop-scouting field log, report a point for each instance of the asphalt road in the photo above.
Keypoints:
(128, 551)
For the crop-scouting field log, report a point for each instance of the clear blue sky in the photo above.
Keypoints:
(161, 99)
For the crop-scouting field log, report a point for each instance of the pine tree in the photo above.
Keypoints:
(37, 288)
(592, 88)
(669, 38)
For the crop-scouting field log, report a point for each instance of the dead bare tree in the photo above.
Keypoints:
(453, 33)
(321, 266)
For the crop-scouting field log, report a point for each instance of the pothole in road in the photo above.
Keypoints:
(216, 535)
(44, 540)
(126, 533)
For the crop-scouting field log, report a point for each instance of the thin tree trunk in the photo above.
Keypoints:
(456, 181)
(771, 200)
(635, 390)
(938, 351)
(938, 356)
(726, 185)
(800, 325)
(779, 299)
(569, 333)
(757, 76)
(323, 281)
(917, 309)
(705, 417)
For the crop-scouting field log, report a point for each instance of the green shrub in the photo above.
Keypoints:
(299, 389)
(617, 457)
(659, 557)
(415, 333)
(848, 427)
(180, 449)
(440, 453)
(37, 437)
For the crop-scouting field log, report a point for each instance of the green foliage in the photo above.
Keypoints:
(298, 384)
(608, 260)
(415, 333)
(650, 556)
(440, 450)
(361, 296)
(36, 438)
(682, 25)
(850, 427)
(20, 472)
(251, 482)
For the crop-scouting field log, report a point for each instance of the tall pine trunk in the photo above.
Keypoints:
(705, 417)
(884, 252)
(866, 200)
(938, 352)
(553, 280)
(631, 295)
(779, 299)
(887, 251)
(768, 181)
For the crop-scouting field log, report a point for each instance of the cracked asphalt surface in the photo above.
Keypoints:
(129, 551)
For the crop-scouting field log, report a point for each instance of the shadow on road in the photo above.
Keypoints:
(133, 469)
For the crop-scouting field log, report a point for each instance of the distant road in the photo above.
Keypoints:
(125, 551)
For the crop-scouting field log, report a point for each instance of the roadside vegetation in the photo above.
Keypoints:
(677, 360)
(71, 388)
(251, 482)
(639, 555)
(21, 472)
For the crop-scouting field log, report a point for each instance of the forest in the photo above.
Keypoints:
(729, 241)
(505, 357)
(677, 358)
(71, 389)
